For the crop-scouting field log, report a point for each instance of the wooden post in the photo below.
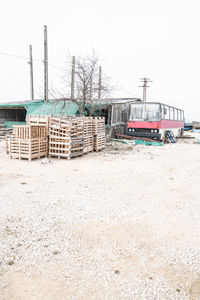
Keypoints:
(30, 62)
(99, 88)
(72, 77)
(45, 65)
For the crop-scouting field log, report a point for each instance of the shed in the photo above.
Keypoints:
(115, 111)
(15, 112)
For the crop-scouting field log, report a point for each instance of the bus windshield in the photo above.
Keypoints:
(145, 112)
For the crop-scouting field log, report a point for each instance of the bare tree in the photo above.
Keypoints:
(86, 82)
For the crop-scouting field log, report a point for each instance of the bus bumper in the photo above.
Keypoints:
(150, 135)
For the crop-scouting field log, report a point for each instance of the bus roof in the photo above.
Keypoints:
(141, 102)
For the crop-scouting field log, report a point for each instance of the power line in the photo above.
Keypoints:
(13, 55)
(18, 56)
(34, 60)
(57, 68)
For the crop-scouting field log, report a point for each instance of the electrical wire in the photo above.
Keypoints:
(12, 55)
(50, 64)
(34, 60)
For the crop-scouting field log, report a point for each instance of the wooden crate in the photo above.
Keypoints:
(99, 142)
(66, 137)
(98, 125)
(65, 146)
(72, 126)
(88, 143)
(39, 121)
(29, 132)
(27, 148)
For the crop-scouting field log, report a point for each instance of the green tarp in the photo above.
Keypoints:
(53, 108)
(9, 124)
(46, 109)
(39, 107)
(148, 143)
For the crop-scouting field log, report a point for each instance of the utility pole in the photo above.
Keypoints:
(30, 62)
(45, 65)
(99, 87)
(91, 87)
(145, 86)
(72, 77)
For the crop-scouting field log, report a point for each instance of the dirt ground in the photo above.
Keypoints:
(123, 223)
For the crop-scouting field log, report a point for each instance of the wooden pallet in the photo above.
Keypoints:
(72, 126)
(65, 147)
(38, 120)
(99, 142)
(65, 132)
(4, 131)
(62, 121)
(88, 143)
(87, 128)
(8, 137)
(27, 148)
(98, 125)
(29, 132)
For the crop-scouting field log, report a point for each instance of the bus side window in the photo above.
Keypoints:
(162, 112)
(175, 114)
(166, 110)
(171, 113)
(179, 115)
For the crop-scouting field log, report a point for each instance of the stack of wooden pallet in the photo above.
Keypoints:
(27, 142)
(60, 136)
(66, 136)
(88, 135)
(4, 131)
(98, 130)
(195, 125)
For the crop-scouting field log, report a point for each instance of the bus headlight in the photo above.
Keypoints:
(133, 129)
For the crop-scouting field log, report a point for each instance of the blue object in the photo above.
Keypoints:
(187, 126)
(171, 136)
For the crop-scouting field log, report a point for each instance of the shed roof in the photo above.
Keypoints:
(39, 107)
(19, 104)
(53, 108)
(61, 106)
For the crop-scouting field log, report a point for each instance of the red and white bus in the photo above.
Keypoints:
(153, 119)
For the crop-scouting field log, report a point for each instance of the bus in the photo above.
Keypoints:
(153, 119)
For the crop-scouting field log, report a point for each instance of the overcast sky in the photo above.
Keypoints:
(158, 39)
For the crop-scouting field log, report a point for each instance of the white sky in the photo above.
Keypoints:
(158, 39)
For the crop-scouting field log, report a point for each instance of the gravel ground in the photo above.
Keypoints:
(120, 224)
